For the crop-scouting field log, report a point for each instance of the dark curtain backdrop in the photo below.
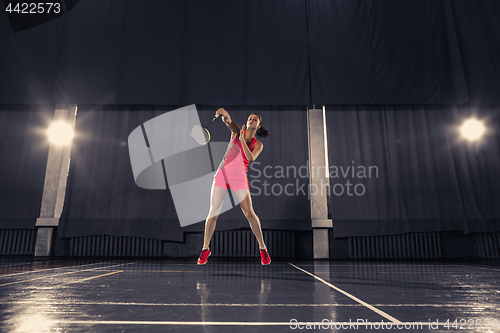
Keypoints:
(274, 57)
(279, 52)
(23, 159)
(425, 176)
(102, 197)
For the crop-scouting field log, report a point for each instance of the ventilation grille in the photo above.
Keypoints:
(405, 246)
(242, 243)
(105, 245)
(17, 242)
(489, 245)
(230, 243)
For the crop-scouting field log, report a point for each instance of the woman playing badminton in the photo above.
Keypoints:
(242, 149)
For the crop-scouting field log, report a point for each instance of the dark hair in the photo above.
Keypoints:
(262, 132)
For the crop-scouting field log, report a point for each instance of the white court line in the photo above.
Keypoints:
(52, 302)
(91, 278)
(202, 323)
(48, 269)
(27, 263)
(241, 323)
(49, 276)
(357, 264)
(380, 312)
(495, 269)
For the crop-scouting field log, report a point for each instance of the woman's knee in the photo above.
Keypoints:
(249, 213)
(212, 215)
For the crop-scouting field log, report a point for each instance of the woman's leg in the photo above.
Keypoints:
(216, 198)
(247, 208)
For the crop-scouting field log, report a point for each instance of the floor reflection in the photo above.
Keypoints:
(49, 296)
(36, 314)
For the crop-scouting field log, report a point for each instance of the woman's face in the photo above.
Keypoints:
(253, 121)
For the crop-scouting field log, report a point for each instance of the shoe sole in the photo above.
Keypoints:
(265, 264)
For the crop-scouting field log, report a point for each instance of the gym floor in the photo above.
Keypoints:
(228, 295)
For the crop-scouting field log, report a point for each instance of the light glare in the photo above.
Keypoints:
(60, 133)
(472, 129)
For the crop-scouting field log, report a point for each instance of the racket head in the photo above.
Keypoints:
(200, 134)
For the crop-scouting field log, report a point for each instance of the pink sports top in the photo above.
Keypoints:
(235, 149)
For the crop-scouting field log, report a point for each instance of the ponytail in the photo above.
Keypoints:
(262, 132)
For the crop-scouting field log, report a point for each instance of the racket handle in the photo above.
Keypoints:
(216, 116)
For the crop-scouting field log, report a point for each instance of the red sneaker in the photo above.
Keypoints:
(265, 259)
(202, 260)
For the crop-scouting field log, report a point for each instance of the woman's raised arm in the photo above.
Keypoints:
(229, 123)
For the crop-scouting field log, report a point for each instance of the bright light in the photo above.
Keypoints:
(60, 133)
(472, 129)
(32, 323)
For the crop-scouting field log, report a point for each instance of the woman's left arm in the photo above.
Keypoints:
(251, 156)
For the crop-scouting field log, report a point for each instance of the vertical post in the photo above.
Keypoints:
(54, 189)
(319, 185)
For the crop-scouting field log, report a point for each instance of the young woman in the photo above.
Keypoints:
(242, 149)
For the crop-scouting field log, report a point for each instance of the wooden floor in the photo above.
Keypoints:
(229, 295)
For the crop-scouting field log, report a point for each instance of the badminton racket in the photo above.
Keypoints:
(201, 134)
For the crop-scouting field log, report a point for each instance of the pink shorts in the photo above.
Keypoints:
(227, 178)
